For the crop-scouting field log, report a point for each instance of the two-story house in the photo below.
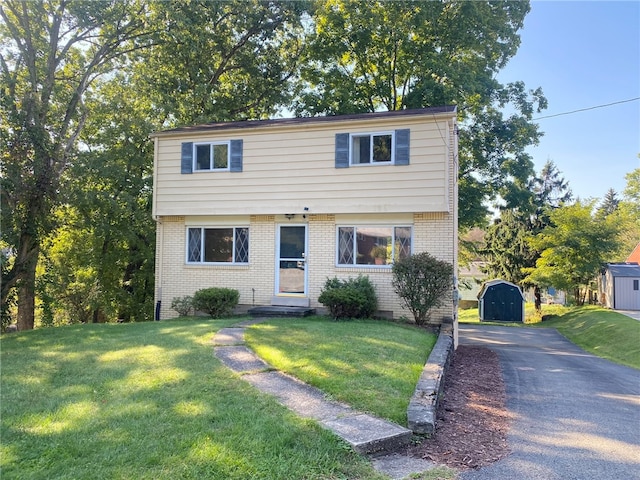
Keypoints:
(273, 208)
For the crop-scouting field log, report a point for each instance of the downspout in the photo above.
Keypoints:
(159, 236)
(453, 136)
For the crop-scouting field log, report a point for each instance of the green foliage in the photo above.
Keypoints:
(351, 298)
(50, 54)
(182, 305)
(221, 61)
(573, 248)
(217, 302)
(366, 56)
(422, 282)
(609, 204)
(507, 251)
(627, 216)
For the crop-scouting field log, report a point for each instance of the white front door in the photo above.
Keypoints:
(291, 268)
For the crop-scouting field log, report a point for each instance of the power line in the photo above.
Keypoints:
(588, 108)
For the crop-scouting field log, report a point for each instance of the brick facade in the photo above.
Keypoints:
(432, 232)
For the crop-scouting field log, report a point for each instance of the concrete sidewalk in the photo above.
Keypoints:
(635, 314)
(365, 433)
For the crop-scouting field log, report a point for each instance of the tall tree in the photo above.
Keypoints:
(221, 60)
(507, 251)
(507, 248)
(609, 204)
(366, 56)
(550, 191)
(573, 248)
(191, 73)
(50, 53)
(110, 185)
(627, 215)
(631, 191)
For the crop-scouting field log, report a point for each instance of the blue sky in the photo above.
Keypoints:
(584, 54)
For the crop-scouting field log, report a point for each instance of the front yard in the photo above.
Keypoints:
(150, 401)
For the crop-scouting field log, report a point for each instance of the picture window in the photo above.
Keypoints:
(218, 245)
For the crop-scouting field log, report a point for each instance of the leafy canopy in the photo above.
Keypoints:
(573, 248)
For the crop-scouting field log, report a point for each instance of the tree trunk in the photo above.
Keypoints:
(537, 295)
(27, 284)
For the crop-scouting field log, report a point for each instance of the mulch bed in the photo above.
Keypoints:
(472, 419)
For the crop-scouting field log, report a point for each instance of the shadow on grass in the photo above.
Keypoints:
(149, 400)
(371, 365)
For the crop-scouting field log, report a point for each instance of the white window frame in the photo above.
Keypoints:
(211, 156)
(354, 250)
(202, 239)
(371, 135)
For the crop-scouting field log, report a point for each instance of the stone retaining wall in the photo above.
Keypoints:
(423, 406)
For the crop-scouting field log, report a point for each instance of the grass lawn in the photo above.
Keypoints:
(470, 315)
(150, 401)
(371, 365)
(602, 332)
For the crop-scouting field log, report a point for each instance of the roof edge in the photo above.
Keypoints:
(447, 110)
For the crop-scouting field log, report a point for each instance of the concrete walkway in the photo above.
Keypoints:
(365, 433)
(576, 416)
(635, 314)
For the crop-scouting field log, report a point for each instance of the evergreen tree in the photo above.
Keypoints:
(507, 251)
(609, 203)
(550, 191)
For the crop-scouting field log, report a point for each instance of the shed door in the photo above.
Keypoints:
(502, 303)
(627, 293)
(291, 276)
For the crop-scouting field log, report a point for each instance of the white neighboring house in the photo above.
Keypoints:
(620, 286)
(471, 279)
(273, 208)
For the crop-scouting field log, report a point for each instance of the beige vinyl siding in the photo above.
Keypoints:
(286, 169)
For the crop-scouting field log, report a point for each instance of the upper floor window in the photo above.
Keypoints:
(211, 156)
(375, 245)
(218, 245)
(379, 148)
(372, 148)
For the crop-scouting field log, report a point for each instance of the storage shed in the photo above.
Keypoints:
(502, 301)
(620, 286)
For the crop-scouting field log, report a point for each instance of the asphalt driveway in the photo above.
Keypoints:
(576, 416)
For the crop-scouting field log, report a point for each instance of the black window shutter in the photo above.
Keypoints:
(186, 165)
(402, 147)
(342, 150)
(236, 156)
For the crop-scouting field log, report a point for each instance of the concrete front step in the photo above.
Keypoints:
(280, 311)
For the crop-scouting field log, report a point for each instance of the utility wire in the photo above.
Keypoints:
(588, 108)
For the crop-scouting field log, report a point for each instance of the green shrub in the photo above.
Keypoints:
(352, 298)
(422, 282)
(217, 302)
(182, 305)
